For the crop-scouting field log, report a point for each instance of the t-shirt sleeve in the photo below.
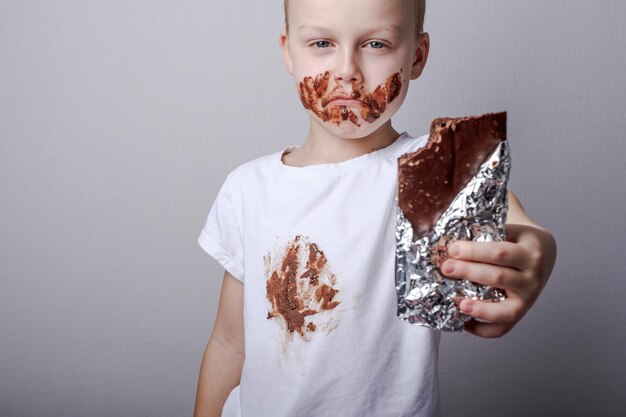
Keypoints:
(222, 237)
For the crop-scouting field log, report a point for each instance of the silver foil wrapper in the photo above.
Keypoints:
(427, 297)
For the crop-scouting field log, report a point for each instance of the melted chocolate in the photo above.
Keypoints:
(315, 96)
(296, 291)
(324, 295)
(430, 178)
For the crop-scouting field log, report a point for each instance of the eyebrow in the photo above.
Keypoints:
(394, 29)
(313, 28)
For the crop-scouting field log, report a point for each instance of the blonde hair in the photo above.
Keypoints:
(420, 12)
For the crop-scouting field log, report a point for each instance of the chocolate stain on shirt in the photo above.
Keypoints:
(315, 96)
(300, 288)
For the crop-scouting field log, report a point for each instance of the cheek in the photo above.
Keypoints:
(384, 94)
(312, 90)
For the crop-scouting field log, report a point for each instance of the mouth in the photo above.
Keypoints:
(344, 100)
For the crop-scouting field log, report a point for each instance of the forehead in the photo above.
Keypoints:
(393, 16)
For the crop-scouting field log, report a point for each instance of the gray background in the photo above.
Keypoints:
(119, 120)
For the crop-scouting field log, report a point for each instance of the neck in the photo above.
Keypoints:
(323, 147)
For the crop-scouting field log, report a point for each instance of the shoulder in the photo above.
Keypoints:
(246, 176)
(261, 166)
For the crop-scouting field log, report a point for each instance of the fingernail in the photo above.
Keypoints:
(448, 267)
(454, 250)
(469, 307)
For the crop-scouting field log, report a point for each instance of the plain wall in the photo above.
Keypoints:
(119, 121)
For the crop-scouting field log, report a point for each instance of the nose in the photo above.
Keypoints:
(347, 68)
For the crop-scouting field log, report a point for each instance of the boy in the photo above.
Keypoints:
(310, 231)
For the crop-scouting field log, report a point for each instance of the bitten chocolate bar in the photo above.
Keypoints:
(453, 188)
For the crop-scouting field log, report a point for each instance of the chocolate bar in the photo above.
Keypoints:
(454, 188)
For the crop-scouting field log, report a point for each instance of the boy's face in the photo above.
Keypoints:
(352, 60)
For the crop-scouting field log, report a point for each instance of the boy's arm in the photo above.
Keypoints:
(223, 357)
(521, 266)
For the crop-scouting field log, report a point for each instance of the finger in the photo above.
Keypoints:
(488, 330)
(486, 274)
(509, 311)
(507, 254)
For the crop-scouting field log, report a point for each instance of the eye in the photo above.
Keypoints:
(376, 45)
(322, 44)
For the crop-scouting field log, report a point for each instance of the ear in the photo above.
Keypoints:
(421, 55)
(283, 40)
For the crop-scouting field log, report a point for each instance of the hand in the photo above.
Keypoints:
(520, 266)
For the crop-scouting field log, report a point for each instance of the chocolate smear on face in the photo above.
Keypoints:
(300, 287)
(315, 96)
(382, 95)
(430, 178)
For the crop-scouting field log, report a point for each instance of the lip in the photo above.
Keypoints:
(345, 100)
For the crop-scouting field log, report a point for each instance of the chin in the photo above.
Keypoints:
(347, 129)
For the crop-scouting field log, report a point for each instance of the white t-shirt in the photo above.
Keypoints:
(315, 249)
